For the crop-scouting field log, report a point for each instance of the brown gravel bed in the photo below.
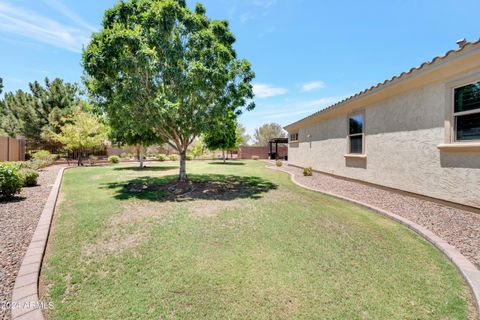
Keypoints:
(18, 220)
(459, 227)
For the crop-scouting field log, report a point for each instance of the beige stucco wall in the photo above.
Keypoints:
(401, 138)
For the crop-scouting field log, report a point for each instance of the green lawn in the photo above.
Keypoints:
(241, 242)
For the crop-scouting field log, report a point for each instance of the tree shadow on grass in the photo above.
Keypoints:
(228, 163)
(148, 168)
(199, 187)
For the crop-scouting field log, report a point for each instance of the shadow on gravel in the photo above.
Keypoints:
(13, 199)
(199, 187)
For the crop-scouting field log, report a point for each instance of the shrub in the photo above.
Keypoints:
(11, 181)
(173, 157)
(279, 163)
(41, 154)
(41, 159)
(124, 155)
(37, 164)
(161, 157)
(255, 157)
(113, 159)
(189, 157)
(308, 171)
(29, 177)
(44, 155)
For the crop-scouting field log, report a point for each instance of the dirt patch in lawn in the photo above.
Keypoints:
(114, 243)
(208, 209)
(137, 211)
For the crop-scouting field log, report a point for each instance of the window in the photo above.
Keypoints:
(467, 112)
(355, 133)
(294, 136)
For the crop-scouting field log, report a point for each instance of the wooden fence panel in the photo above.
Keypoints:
(12, 149)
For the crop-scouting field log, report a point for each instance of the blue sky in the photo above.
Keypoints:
(307, 54)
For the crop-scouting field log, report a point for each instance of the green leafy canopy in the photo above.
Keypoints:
(159, 65)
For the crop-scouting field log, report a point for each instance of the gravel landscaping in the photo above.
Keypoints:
(18, 220)
(459, 227)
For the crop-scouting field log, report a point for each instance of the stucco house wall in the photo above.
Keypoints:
(402, 135)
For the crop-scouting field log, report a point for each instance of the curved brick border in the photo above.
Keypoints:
(25, 303)
(469, 272)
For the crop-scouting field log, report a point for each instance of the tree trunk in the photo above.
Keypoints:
(223, 155)
(80, 163)
(183, 172)
(140, 155)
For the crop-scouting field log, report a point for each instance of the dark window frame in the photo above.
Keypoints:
(292, 136)
(456, 115)
(362, 134)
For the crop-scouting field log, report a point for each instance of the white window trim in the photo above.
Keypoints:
(348, 153)
(451, 143)
(290, 137)
(451, 136)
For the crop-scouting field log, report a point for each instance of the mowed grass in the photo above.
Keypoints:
(242, 243)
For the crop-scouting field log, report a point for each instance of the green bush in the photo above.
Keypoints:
(308, 171)
(189, 157)
(124, 155)
(279, 163)
(29, 177)
(11, 181)
(44, 155)
(173, 157)
(113, 159)
(41, 154)
(161, 157)
(37, 164)
(41, 159)
(255, 157)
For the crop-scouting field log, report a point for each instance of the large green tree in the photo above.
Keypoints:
(268, 132)
(174, 69)
(41, 109)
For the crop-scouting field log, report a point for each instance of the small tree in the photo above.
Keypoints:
(223, 135)
(174, 69)
(242, 137)
(198, 147)
(81, 131)
(268, 132)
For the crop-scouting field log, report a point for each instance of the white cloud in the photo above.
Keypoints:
(264, 3)
(60, 7)
(310, 86)
(41, 28)
(290, 111)
(246, 17)
(266, 90)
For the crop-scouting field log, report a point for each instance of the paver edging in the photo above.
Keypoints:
(468, 271)
(25, 303)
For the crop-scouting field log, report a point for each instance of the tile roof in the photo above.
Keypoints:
(394, 79)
